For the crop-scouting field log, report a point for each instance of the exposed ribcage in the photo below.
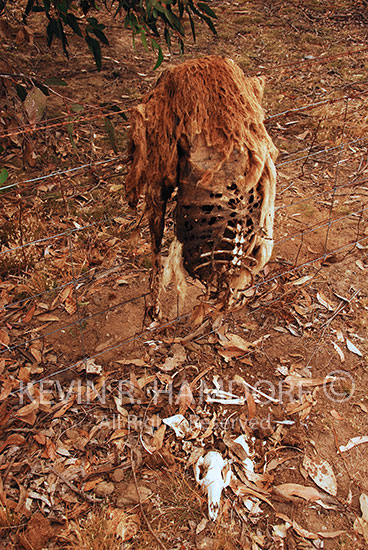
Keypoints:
(217, 220)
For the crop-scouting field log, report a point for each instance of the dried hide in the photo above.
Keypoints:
(201, 130)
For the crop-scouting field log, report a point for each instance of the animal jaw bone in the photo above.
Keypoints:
(213, 473)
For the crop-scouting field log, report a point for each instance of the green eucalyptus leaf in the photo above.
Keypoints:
(72, 21)
(54, 81)
(95, 48)
(110, 131)
(3, 175)
(204, 7)
(21, 91)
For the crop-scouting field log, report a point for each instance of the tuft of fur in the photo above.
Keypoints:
(173, 270)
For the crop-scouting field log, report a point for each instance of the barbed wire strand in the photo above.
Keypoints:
(144, 295)
(320, 59)
(73, 323)
(124, 159)
(86, 279)
(106, 350)
(182, 317)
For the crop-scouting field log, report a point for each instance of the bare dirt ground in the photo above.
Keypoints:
(78, 444)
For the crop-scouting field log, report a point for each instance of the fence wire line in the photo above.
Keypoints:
(319, 152)
(313, 228)
(122, 158)
(73, 323)
(316, 104)
(63, 172)
(178, 318)
(86, 279)
(96, 163)
(80, 281)
(51, 237)
(255, 287)
(320, 59)
(32, 128)
(82, 228)
(319, 195)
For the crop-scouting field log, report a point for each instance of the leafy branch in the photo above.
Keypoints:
(147, 19)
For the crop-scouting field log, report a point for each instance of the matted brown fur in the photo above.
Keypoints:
(201, 130)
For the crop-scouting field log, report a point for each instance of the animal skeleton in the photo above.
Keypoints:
(201, 131)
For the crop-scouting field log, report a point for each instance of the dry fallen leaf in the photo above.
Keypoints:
(324, 301)
(28, 316)
(13, 439)
(331, 534)
(339, 351)
(235, 341)
(158, 439)
(353, 348)
(322, 474)
(28, 412)
(178, 358)
(291, 490)
(302, 280)
(361, 524)
(185, 397)
(336, 415)
(303, 532)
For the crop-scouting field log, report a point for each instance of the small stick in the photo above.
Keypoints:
(161, 545)
(73, 487)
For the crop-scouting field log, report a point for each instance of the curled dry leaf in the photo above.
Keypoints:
(28, 412)
(236, 343)
(322, 474)
(178, 358)
(303, 532)
(331, 534)
(361, 524)
(302, 280)
(158, 438)
(291, 490)
(185, 397)
(13, 439)
(324, 301)
(339, 351)
(280, 530)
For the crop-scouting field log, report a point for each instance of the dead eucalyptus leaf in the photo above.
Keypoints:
(353, 348)
(35, 105)
(322, 474)
(291, 490)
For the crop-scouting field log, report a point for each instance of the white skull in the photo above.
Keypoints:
(216, 475)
